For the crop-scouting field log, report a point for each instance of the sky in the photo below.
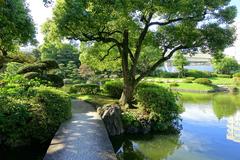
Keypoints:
(40, 14)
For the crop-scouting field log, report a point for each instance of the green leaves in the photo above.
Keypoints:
(16, 26)
(146, 33)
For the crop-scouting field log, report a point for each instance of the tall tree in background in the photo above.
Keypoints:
(225, 65)
(179, 61)
(16, 27)
(54, 48)
(130, 26)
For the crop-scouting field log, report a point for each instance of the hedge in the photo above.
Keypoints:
(85, 89)
(237, 75)
(32, 119)
(224, 76)
(113, 88)
(162, 106)
(205, 81)
(199, 74)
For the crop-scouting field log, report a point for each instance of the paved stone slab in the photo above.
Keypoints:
(83, 137)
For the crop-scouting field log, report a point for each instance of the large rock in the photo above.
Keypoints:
(111, 115)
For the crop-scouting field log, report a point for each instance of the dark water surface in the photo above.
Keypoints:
(34, 152)
(211, 131)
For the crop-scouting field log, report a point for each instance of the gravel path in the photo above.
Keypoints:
(83, 137)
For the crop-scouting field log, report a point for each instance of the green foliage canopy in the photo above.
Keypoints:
(16, 26)
(54, 48)
(130, 26)
(178, 25)
(226, 65)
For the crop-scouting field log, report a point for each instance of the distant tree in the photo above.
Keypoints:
(16, 27)
(129, 26)
(225, 65)
(36, 53)
(69, 72)
(179, 61)
(86, 71)
(53, 47)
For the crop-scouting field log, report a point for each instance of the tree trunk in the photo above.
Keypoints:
(128, 76)
(127, 94)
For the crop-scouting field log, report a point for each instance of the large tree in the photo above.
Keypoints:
(132, 25)
(16, 27)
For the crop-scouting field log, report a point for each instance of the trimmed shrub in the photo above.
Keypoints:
(38, 67)
(224, 76)
(237, 75)
(32, 75)
(199, 74)
(85, 89)
(50, 64)
(174, 84)
(46, 79)
(190, 78)
(32, 119)
(55, 80)
(161, 105)
(113, 88)
(205, 81)
(12, 68)
(168, 74)
(236, 80)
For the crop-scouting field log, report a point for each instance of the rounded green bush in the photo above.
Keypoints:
(224, 76)
(162, 106)
(199, 74)
(32, 119)
(85, 89)
(113, 88)
(38, 67)
(237, 75)
(205, 81)
(55, 80)
(173, 84)
(190, 78)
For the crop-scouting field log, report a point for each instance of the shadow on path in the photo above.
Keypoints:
(83, 137)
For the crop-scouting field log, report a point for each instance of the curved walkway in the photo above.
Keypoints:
(83, 137)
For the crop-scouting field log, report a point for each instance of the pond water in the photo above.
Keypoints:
(211, 131)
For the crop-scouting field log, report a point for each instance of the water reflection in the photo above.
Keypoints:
(157, 147)
(211, 131)
(233, 132)
(225, 105)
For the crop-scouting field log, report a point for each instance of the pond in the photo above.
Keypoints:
(211, 131)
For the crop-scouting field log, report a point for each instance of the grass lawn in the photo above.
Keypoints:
(222, 81)
(190, 86)
(215, 80)
(98, 99)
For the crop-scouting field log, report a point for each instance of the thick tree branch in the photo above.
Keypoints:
(108, 52)
(160, 61)
(139, 44)
(169, 21)
(142, 37)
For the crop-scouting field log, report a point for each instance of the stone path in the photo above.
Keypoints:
(84, 137)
